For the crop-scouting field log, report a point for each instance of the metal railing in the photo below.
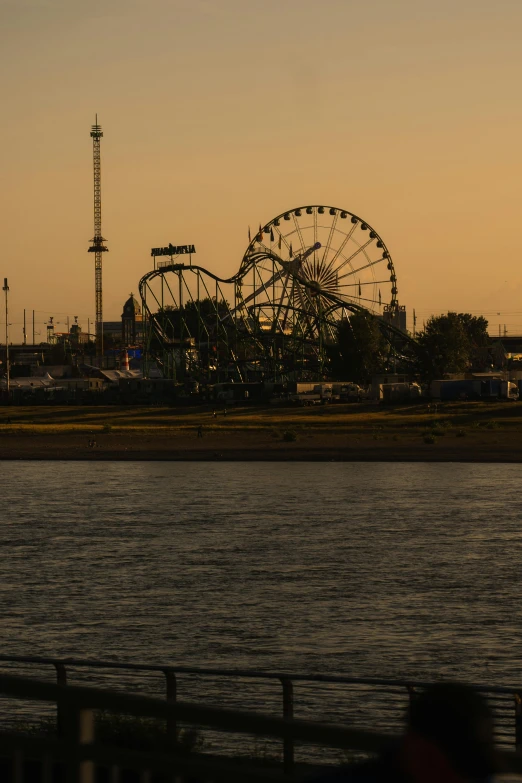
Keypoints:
(78, 752)
(76, 748)
(506, 701)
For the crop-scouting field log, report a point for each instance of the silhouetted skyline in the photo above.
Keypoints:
(219, 115)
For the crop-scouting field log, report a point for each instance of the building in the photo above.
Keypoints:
(77, 337)
(507, 347)
(131, 322)
(396, 316)
(112, 330)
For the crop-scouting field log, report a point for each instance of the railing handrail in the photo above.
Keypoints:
(240, 721)
(80, 698)
(246, 673)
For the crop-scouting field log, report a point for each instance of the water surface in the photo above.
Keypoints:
(392, 570)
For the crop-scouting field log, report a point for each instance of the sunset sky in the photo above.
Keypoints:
(220, 114)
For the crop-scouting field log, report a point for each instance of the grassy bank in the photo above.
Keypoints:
(471, 432)
(466, 419)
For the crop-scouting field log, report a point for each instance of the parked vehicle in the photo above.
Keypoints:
(458, 389)
(474, 389)
(399, 392)
(500, 390)
(311, 394)
(238, 392)
(347, 392)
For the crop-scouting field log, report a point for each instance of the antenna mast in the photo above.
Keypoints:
(97, 247)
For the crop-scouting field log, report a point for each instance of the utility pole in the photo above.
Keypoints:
(33, 327)
(97, 247)
(8, 368)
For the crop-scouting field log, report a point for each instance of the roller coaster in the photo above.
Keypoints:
(303, 273)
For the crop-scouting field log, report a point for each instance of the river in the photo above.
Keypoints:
(389, 570)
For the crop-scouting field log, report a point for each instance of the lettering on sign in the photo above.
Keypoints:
(173, 250)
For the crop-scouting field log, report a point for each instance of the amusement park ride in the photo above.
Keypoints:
(304, 272)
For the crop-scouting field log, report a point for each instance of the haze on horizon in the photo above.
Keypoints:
(220, 114)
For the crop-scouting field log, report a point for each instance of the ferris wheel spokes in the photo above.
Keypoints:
(361, 268)
(329, 241)
(298, 231)
(342, 246)
(296, 284)
(359, 250)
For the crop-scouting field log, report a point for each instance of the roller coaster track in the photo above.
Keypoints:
(241, 317)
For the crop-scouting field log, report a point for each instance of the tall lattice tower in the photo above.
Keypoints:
(97, 247)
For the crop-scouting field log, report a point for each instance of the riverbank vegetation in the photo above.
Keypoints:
(379, 420)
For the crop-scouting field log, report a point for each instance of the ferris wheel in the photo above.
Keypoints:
(305, 268)
(278, 316)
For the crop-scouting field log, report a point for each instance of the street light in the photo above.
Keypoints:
(8, 368)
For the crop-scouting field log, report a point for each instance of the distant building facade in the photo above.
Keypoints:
(112, 329)
(129, 330)
(396, 316)
(131, 322)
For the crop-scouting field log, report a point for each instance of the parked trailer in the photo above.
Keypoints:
(310, 393)
(347, 392)
(460, 390)
(309, 387)
(399, 392)
(500, 390)
(238, 392)
(473, 389)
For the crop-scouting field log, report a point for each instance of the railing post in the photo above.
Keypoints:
(172, 687)
(288, 712)
(61, 679)
(47, 769)
(411, 698)
(518, 721)
(18, 766)
(79, 732)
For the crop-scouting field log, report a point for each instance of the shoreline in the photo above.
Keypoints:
(256, 447)
(456, 432)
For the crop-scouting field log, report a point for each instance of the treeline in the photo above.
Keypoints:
(450, 343)
(192, 318)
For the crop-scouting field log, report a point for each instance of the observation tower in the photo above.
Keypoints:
(97, 243)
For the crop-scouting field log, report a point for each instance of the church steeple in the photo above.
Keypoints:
(129, 318)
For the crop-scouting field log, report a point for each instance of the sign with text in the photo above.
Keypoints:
(173, 250)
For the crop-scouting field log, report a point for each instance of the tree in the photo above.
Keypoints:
(450, 342)
(476, 328)
(193, 318)
(361, 349)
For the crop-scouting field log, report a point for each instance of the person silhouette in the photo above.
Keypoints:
(448, 739)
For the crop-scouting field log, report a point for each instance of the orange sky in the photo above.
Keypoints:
(219, 114)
